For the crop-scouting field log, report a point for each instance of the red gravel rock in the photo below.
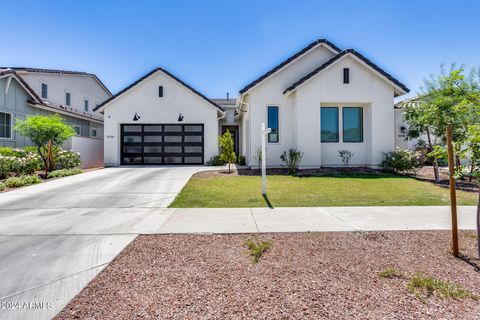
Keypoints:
(303, 276)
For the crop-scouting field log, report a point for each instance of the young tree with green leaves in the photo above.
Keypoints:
(45, 130)
(447, 98)
(227, 152)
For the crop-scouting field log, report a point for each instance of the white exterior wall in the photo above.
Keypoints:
(270, 93)
(91, 151)
(366, 89)
(299, 113)
(143, 99)
(80, 88)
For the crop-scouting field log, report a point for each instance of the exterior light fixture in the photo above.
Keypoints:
(180, 117)
(403, 130)
(136, 117)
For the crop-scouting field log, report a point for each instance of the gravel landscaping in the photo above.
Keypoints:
(302, 276)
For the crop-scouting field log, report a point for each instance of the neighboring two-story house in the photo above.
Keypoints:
(319, 101)
(72, 95)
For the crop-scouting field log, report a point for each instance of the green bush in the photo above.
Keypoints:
(291, 160)
(17, 162)
(64, 173)
(65, 159)
(241, 160)
(21, 181)
(215, 161)
(2, 186)
(400, 160)
(257, 248)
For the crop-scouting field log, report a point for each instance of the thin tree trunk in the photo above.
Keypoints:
(472, 167)
(435, 162)
(478, 222)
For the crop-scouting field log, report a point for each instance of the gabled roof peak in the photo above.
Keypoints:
(329, 44)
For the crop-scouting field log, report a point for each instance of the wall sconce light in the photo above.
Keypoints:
(136, 117)
(403, 130)
(180, 117)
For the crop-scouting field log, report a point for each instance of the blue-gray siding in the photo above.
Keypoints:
(15, 103)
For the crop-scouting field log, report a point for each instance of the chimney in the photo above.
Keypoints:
(228, 94)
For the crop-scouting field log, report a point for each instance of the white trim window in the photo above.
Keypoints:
(68, 99)
(5, 125)
(94, 133)
(78, 130)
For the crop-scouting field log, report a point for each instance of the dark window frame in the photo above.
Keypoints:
(44, 86)
(278, 123)
(338, 125)
(8, 126)
(346, 75)
(361, 125)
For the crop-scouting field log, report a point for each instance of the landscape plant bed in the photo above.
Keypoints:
(301, 276)
(210, 190)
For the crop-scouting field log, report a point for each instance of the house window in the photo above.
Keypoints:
(44, 91)
(352, 124)
(329, 124)
(160, 91)
(273, 124)
(94, 132)
(68, 99)
(5, 125)
(77, 130)
(346, 75)
(85, 105)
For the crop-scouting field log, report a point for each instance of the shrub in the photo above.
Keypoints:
(2, 186)
(23, 164)
(257, 248)
(401, 160)
(66, 159)
(215, 161)
(345, 155)
(291, 160)
(64, 173)
(423, 287)
(21, 181)
(241, 160)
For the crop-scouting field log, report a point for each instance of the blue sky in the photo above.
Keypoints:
(220, 46)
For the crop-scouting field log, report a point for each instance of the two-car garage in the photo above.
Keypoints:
(162, 144)
(160, 120)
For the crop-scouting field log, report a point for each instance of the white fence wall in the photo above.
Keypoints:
(91, 151)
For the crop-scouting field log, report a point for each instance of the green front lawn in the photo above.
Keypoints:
(289, 191)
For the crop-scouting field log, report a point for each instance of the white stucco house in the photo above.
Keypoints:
(320, 100)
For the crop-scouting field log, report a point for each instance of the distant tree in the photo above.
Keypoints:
(227, 152)
(47, 133)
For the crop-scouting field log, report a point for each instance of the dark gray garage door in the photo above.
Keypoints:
(162, 143)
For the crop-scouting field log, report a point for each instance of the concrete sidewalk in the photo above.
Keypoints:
(322, 219)
(133, 221)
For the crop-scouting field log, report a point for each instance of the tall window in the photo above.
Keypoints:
(85, 105)
(329, 124)
(5, 125)
(44, 91)
(352, 124)
(273, 124)
(78, 130)
(68, 99)
(94, 132)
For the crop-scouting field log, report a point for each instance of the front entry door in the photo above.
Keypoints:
(234, 132)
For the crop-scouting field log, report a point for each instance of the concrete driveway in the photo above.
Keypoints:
(56, 236)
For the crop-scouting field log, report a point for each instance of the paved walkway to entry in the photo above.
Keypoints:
(55, 237)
